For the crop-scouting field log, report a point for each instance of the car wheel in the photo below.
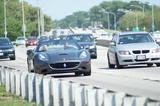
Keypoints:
(150, 65)
(158, 64)
(87, 73)
(109, 64)
(77, 73)
(117, 63)
(13, 58)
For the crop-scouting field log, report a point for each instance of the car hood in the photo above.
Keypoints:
(6, 47)
(137, 46)
(84, 44)
(63, 55)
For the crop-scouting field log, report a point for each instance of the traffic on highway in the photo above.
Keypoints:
(114, 46)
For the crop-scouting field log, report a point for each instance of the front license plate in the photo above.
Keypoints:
(141, 57)
(1, 54)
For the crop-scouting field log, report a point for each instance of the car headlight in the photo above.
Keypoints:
(122, 52)
(83, 55)
(156, 50)
(92, 46)
(42, 57)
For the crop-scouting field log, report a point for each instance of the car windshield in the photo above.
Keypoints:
(58, 45)
(80, 38)
(135, 38)
(32, 39)
(20, 38)
(4, 42)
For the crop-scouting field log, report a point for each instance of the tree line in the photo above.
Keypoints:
(14, 19)
(129, 15)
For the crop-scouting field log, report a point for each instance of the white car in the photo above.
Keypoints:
(133, 48)
(20, 41)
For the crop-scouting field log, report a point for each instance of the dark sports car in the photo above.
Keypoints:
(59, 56)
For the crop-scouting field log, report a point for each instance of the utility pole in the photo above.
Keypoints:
(42, 21)
(39, 26)
(23, 19)
(5, 19)
(153, 26)
(108, 22)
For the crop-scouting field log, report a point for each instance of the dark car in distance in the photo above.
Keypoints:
(31, 41)
(59, 56)
(6, 49)
(85, 41)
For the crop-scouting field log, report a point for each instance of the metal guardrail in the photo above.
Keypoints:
(49, 91)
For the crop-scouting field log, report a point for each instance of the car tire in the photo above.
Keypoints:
(87, 73)
(109, 64)
(117, 63)
(13, 58)
(158, 64)
(150, 65)
(77, 73)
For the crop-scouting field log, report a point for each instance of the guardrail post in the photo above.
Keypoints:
(109, 99)
(31, 87)
(48, 100)
(79, 96)
(18, 82)
(129, 101)
(119, 98)
(56, 92)
(66, 93)
(92, 97)
(12, 80)
(3, 75)
(0, 75)
(24, 85)
(39, 89)
(8, 83)
(100, 96)
(86, 90)
(141, 101)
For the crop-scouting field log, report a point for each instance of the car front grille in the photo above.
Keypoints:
(65, 65)
(140, 51)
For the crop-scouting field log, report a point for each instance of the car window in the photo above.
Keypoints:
(4, 42)
(58, 45)
(135, 38)
(80, 38)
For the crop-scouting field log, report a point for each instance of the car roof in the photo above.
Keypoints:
(4, 38)
(127, 33)
(79, 34)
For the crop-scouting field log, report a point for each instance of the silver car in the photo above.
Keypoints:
(133, 48)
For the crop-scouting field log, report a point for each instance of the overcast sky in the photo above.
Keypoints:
(58, 9)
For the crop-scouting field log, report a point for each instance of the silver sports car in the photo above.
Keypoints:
(133, 48)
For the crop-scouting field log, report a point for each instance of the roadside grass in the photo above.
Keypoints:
(8, 99)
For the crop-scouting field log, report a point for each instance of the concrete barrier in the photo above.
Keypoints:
(73, 90)
(119, 98)
(92, 97)
(100, 96)
(141, 101)
(18, 82)
(80, 96)
(39, 89)
(3, 75)
(153, 104)
(0, 75)
(24, 85)
(129, 101)
(31, 87)
(12, 80)
(66, 93)
(48, 99)
(87, 88)
(109, 99)
(56, 92)
(8, 84)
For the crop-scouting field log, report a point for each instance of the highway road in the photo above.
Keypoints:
(134, 80)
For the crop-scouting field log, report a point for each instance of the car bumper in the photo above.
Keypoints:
(6, 54)
(133, 59)
(84, 66)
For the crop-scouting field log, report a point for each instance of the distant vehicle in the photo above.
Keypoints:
(31, 41)
(133, 48)
(6, 49)
(20, 41)
(85, 41)
(52, 37)
(62, 37)
(43, 38)
(59, 56)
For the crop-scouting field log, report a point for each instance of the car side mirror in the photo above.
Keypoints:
(112, 43)
(30, 52)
